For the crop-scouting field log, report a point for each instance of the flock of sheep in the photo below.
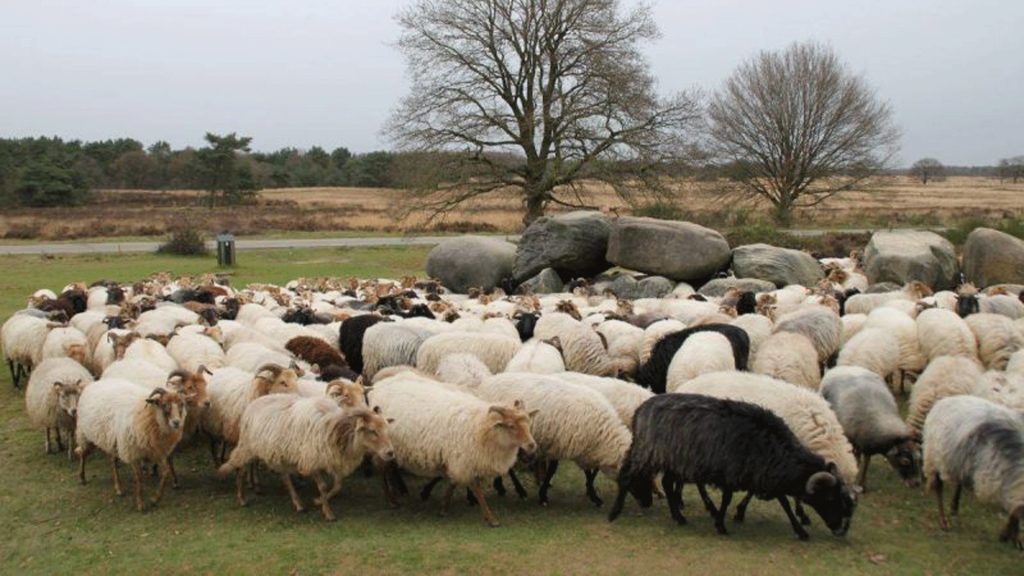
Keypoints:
(782, 395)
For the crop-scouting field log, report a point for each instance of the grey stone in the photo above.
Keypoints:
(993, 257)
(471, 262)
(676, 250)
(719, 286)
(547, 282)
(574, 244)
(629, 287)
(780, 266)
(902, 256)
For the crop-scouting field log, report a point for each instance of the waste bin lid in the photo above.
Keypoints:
(225, 238)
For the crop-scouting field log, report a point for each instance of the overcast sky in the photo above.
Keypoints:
(303, 72)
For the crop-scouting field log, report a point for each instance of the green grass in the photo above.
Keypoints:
(51, 524)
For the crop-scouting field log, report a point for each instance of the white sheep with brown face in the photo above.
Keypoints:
(51, 398)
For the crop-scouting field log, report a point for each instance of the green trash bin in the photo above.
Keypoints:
(225, 249)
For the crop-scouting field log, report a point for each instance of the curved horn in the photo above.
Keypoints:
(817, 479)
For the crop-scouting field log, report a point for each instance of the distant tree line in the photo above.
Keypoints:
(51, 171)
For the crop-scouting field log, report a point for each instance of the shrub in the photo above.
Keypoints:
(186, 238)
(660, 209)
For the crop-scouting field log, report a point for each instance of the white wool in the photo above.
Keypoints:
(806, 413)
(171, 310)
(108, 413)
(758, 328)
(138, 371)
(1002, 304)
(249, 313)
(249, 356)
(864, 406)
(311, 388)
(41, 397)
(789, 357)
(552, 324)
(819, 324)
(231, 390)
(654, 333)
(998, 339)
(388, 344)
(67, 342)
(943, 333)
(874, 349)
(463, 370)
(494, 350)
(502, 326)
(944, 376)
(624, 339)
(624, 397)
(701, 353)
(852, 323)
(536, 356)
(191, 351)
(573, 423)
(904, 328)
(1016, 363)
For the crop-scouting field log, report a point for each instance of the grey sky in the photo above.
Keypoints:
(305, 72)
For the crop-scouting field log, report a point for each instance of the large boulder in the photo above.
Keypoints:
(471, 262)
(719, 286)
(547, 282)
(676, 250)
(780, 266)
(902, 256)
(992, 257)
(574, 244)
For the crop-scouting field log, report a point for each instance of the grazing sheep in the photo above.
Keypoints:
(494, 350)
(943, 333)
(131, 424)
(790, 357)
(819, 324)
(111, 348)
(997, 338)
(313, 437)
(538, 357)
(440, 431)
(871, 420)
(971, 441)
(71, 302)
(874, 349)
(701, 353)
(654, 372)
(735, 446)
(231, 390)
(51, 397)
(624, 341)
(944, 376)
(22, 338)
(575, 423)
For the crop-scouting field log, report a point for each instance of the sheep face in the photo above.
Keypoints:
(67, 397)
(121, 343)
(831, 499)
(191, 386)
(77, 352)
(510, 427)
(967, 304)
(272, 379)
(372, 434)
(347, 394)
(170, 408)
(905, 459)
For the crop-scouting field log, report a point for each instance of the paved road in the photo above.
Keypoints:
(126, 247)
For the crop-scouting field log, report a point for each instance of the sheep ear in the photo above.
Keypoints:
(204, 370)
(533, 413)
(518, 404)
(376, 410)
(391, 420)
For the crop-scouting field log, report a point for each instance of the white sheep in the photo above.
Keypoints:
(904, 328)
(313, 437)
(998, 338)
(463, 370)
(1016, 363)
(819, 324)
(439, 431)
(494, 350)
(231, 390)
(68, 342)
(131, 424)
(654, 333)
(701, 353)
(51, 397)
(874, 349)
(151, 351)
(537, 356)
(111, 348)
(943, 333)
(624, 397)
(22, 337)
(191, 351)
(853, 323)
(972, 442)
(790, 357)
(944, 376)
(758, 328)
(249, 356)
(389, 344)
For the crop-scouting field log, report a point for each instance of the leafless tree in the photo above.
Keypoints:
(1011, 168)
(928, 169)
(796, 127)
(534, 97)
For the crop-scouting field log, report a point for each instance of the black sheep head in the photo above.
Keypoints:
(905, 459)
(826, 493)
(967, 304)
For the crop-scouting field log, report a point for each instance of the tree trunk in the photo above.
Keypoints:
(534, 208)
(783, 209)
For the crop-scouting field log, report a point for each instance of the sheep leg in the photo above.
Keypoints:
(1011, 532)
(83, 455)
(49, 444)
(335, 489)
(296, 501)
(140, 504)
(552, 467)
(800, 532)
(116, 472)
(429, 487)
(174, 475)
(240, 486)
(325, 496)
(708, 504)
(446, 499)
(488, 517)
(656, 488)
(14, 373)
(520, 491)
(591, 475)
(954, 508)
(166, 471)
(213, 450)
(722, 509)
(936, 486)
(741, 508)
(862, 476)
(60, 441)
(499, 486)
(673, 493)
(801, 514)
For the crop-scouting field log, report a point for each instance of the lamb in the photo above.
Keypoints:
(309, 436)
(874, 349)
(943, 333)
(391, 344)
(701, 353)
(871, 420)
(439, 431)
(538, 357)
(971, 441)
(653, 373)
(67, 342)
(944, 376)
(51, 397)
(131, 424)
(494, 350)
(463, 370)
(733, 445)
(818, 324)
(151, 351)
(576, 423)
(997, 338)
(22, 338)
(190, 351)
(790, 357)
(231, 390)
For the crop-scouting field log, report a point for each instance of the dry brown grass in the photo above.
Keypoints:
(899, 201)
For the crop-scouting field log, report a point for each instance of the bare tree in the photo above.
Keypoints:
(533, 97)
(927, 169)
(1011, 168)
(797, 127)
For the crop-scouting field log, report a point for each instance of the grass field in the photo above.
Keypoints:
(52, 525)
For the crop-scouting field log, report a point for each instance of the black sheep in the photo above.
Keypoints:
(526, 323)
(736, 446)
(183, 295)
(70, 302)
(747, 303)
(350, 338)
(652, 374)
